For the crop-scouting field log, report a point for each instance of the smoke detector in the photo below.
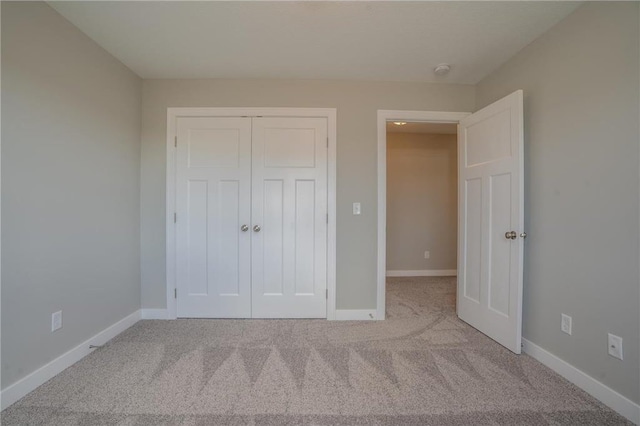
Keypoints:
(442, 69)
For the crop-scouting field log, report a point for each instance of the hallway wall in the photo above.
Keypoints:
(422, 205)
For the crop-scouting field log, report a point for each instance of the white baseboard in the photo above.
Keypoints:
(25, 385)
(424, 273)
(355, 314)
(608, 396)
(150, 314)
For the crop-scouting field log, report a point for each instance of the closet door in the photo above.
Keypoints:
(213, 203)
(289, 218)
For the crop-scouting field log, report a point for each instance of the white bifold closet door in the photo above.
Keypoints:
(289, 198)
(213, 197)
(251, 217)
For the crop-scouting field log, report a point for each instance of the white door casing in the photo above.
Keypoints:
(292, 200)
(289, 218)
(491, 201)
(213, 202)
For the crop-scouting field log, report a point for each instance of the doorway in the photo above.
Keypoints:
(490, 214)
(416, 121)
(422, 218)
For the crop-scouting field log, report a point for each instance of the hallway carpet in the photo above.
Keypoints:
(422, 366)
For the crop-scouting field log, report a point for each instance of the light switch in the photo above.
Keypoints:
(356, 208)
(56, 321)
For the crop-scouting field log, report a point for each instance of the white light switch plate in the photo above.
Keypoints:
(356, 208)
(56, 321)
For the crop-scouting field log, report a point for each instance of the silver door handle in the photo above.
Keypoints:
(256, 228)
(523, 235)
(511, 235)
(244, 228)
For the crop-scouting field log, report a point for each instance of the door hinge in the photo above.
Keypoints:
(327, 142)
(175, 293)
(326, 294)
(327, 217)
(175, 217)
(175, 141)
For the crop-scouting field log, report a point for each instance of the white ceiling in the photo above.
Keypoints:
(417, 127)
(358, 40)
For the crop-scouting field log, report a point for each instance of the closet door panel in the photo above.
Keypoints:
(289, 199)
(213, 201)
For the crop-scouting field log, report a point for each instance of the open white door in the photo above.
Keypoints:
(491, 235)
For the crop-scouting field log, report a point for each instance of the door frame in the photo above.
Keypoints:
(383, 117)
(174, 113)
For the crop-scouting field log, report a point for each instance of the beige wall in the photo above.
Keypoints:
(70, 187)
(580, 82)
(71, 170)
(421, 201)
(357, 105)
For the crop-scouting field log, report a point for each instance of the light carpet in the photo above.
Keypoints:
(422, 366)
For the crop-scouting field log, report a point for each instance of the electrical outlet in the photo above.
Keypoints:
(615, 346)
(427, 254)
(357, 209)
(56, 321)
(565, 324)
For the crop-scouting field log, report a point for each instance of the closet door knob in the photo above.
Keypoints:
(244, 228)
(256, 228)
(511, 235)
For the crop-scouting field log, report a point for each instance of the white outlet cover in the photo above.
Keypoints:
(357, 209)
(427, 254)
(615, 346)
(56, 321)
(565, 324)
